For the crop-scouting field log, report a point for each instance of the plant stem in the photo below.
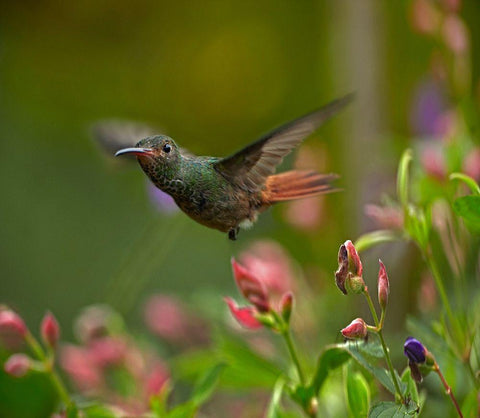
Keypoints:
(448, 389)
(49, 370)
(384, 346)
(439, 283)
(293, 354)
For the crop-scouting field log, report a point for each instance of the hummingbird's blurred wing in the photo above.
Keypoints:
(249, 167)
(113, 135)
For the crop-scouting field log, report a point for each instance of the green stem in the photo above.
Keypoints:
(379, 326)
(439, 283)
(49, 370)
(293, 354)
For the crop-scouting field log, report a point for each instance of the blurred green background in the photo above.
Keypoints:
(214, 75)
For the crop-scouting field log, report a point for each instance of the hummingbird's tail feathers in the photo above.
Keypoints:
(297, 184)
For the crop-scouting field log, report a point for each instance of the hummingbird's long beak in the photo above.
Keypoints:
(135, 151)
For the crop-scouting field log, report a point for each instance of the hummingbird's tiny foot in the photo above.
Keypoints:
(232, 234)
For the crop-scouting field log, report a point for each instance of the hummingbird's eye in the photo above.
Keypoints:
(167, 148)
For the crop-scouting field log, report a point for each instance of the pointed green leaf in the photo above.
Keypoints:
(273, 410)
(411, 391)
(371, 239)
(471, 183)
(97, 411)
(206, 385)
(402, 177)
(392, 410)
(357, 393)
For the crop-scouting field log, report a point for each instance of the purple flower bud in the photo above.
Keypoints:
(414, 350)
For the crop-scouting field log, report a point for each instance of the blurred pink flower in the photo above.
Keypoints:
(168, 318)
(79, 364)
(471, 164)
(95, 321)
(305, 214)
(424, 17)
(455, 34)
(12, 329)
(270, 263)
(156, 379)
(50, 330)
(433, 162)
(18, 365)
(107, 351)
(385, 217)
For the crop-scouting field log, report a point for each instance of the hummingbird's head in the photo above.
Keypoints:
(156, 154)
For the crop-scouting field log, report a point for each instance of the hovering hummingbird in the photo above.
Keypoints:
(229, 193)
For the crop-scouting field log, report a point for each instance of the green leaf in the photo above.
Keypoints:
(402, 177)
(98, 411)
(370, 239)
(185, 410)
(365, 355)
(392, 410)
(357, 393)
(72, 411)
(411, 391)
(471, 183)
(470, 404)
(468, 207)
(206, 385)
(331, 358)
(274, 410)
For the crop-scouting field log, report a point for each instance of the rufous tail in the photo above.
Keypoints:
(297, 184)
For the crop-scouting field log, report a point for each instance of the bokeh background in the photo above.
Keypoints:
(78, 227)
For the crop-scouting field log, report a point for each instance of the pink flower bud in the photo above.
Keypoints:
(356, 330)
(286, 305)
(354, 263)
(18, 365)
(250, 287)
(455, 34)
(50, 330)
(10, 322)
(383, 286)
(244, 316)
(471, 164)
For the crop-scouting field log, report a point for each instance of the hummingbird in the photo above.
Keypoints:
(229, 193)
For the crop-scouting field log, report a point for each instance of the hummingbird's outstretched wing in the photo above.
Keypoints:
(249, 167)
(113, 135)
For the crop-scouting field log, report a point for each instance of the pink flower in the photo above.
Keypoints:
(455, 34)
(78, 363)
(251, 287)
(244, 316)
(107, 351)
(433, 163)
(385, 217)
(18, 365)
(95, 321)
(270, 263)
(156, 380)
(10, 322)
(50, 330)
(471, 164)
(348, 276)
(357, 329)
(383, 286)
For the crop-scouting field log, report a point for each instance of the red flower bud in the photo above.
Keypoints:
(18, 365)
(383, 286)
(354, 263)
(250, 287)
(244, 316)
(50, 330)
(10, 322)
(286, 305)
(356, 330)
